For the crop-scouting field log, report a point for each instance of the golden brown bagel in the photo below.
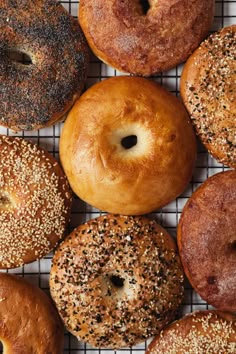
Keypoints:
(29, 323)
(38, 95)
(124, 36)
(208, 88)
(201, 332)
(207, 240)
(117, 280)
(35, 201)
(127, 146)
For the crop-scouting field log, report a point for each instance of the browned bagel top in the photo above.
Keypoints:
(35, 201)
(37, 95)
(207, 240)
(29, 323)
(117, 280)
(133, 180)
(199, 332)
(130, 39)
(208, 88)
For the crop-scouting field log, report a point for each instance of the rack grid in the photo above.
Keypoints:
(38, 272)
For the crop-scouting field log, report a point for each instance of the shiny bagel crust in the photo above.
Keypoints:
(207, 240)
(35, 202)
(198, 332)
(135, 180)
(117, 280)
(208, 89)
(29, 322)
(39, 95)
(123, 36)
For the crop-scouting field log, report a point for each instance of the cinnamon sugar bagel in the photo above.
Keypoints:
(207, 240)
(208, 88)
(35, 201)
(29, 323)
(145, 37)
(39, 94)
(127, 146)
(201, 332)
(116, 280)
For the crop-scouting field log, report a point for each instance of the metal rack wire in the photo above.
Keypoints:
(38, 272)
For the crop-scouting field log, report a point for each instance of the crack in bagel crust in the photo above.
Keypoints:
(145, 44)
(35, 201)
(38, 95)
(117, 280)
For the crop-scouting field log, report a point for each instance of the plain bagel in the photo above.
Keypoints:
(145, 37)
(207, 240)
(127, 146)
(29, 323)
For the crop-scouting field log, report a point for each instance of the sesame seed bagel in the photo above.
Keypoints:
(145, 37)
(200, 332)
(29, 321)
(207, 240)
(127, 146)
(116, 280)
(39, 94)
(35, 201)
(208, 88)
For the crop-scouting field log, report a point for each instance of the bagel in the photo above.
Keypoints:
(145, 37)
(208, 89)
(35, 202)
(116, 280)
(207, 240)
(29, 323)
(127, 146)
(200, 332)
(39, 94)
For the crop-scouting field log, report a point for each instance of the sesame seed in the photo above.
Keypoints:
(211, 95)
(122, 271)
(34, 210)
(196, 333)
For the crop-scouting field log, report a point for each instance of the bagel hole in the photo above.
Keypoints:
(232, 245)
(18, 56)
(117, 281)
(129, 141)
(145, 6)
(211, 280)
(4, 201)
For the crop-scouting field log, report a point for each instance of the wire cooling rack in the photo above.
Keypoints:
(38, 272)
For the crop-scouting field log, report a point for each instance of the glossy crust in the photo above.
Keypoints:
(117, 280)
(38, 95)
(122, 35)
(207, 240)
(208, 88)
(133, 180)
(35, 202)
(29, 323)
(199, 332)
